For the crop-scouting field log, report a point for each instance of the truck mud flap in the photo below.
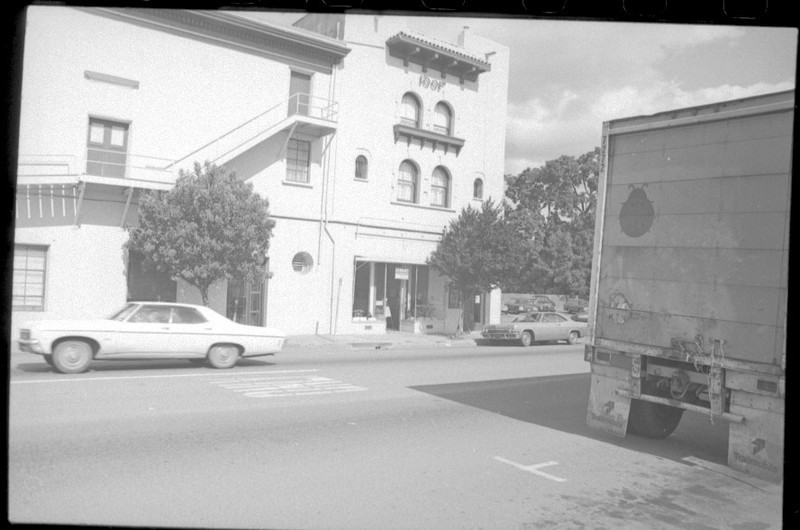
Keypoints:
(756, 445)
(608, 411)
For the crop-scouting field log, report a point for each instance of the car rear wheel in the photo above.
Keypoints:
(72, 356)
(223, 356)
(526, 339)
(573, 337)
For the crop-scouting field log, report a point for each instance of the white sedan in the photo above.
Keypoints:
(149, 330)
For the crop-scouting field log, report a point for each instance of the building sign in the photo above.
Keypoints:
(401, 273)
(433, 84)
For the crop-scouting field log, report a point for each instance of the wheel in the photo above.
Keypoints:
(653, 420)
(72, 356)
(223, 356)
(573, 337)
(526, 339)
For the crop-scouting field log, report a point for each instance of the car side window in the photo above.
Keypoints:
(532, 318)
(186, 315)
(152, 314)
(554, 318)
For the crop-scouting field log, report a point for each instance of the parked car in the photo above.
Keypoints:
(538, 326)
(575, 305)
(527, 305)
(148, 330)
(582, 316)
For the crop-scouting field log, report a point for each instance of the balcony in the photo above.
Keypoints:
(107, 167)
(302, 113)
(409, 133)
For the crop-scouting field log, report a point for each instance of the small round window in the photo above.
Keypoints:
(302, 262)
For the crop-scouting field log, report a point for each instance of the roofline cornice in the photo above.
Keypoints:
(233, 31)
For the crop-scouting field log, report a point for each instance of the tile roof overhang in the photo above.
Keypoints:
(437, 55)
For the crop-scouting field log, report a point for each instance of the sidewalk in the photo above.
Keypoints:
(391, 339)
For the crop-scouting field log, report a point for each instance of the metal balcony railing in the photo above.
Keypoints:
(259, 127)
(309, 110)
(97, 162)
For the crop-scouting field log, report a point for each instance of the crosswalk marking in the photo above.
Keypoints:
(281, 386)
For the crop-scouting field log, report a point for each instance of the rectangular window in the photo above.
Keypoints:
(298, 160)
(453, 298)
(30, 263)
(107, 148)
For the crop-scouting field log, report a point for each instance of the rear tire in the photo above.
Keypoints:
(223, 356)
(72, 356)
(653, 420)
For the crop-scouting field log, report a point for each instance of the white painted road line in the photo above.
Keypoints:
(533, 468)
(286, 386)
(72, 379)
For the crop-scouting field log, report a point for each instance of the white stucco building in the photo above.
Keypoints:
(366, 137)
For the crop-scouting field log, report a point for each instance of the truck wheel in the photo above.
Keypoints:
(72, 356)
(573, 337)
(526, 339)
(223, 356)
(653, 420)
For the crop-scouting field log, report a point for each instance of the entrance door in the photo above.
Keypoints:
(477, 315)
(299, 93)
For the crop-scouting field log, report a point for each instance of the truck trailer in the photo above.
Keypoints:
(688, 298)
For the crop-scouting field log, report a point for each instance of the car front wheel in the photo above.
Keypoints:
(573, 337)
(72, 356)
(223, 356)
(526, 339)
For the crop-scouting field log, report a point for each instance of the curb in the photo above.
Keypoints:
(375, 345)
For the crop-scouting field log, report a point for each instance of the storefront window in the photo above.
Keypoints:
(391, 292)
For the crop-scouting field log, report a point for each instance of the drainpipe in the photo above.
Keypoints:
(326, 187)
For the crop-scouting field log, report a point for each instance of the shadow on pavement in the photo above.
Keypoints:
(41, 367)
(560, 402)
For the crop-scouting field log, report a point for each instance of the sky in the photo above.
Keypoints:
(567, 77)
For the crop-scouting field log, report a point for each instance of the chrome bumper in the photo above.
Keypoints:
(500, 335)
(30, 346)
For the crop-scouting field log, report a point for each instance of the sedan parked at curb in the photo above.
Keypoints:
(575, 305)
(534, 303)
(540, 326)
(149, 330)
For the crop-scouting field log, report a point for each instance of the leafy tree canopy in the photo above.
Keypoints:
(555, 204)
(211, 226)
(479, 251)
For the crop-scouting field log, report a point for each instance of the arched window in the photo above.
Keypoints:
(410, 111)
(477, 189)
(362, 166)
(407, 180)
(443, 119)
(440, 187)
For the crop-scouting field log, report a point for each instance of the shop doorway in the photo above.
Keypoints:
(477, 310)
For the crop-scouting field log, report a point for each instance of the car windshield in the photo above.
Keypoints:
(123, 313)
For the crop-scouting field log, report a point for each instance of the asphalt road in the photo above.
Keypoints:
(449, 438)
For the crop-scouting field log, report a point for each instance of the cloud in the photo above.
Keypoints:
(540, 129)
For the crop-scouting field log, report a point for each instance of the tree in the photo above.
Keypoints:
(478, 252)
(558, 200)
(209, 227)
